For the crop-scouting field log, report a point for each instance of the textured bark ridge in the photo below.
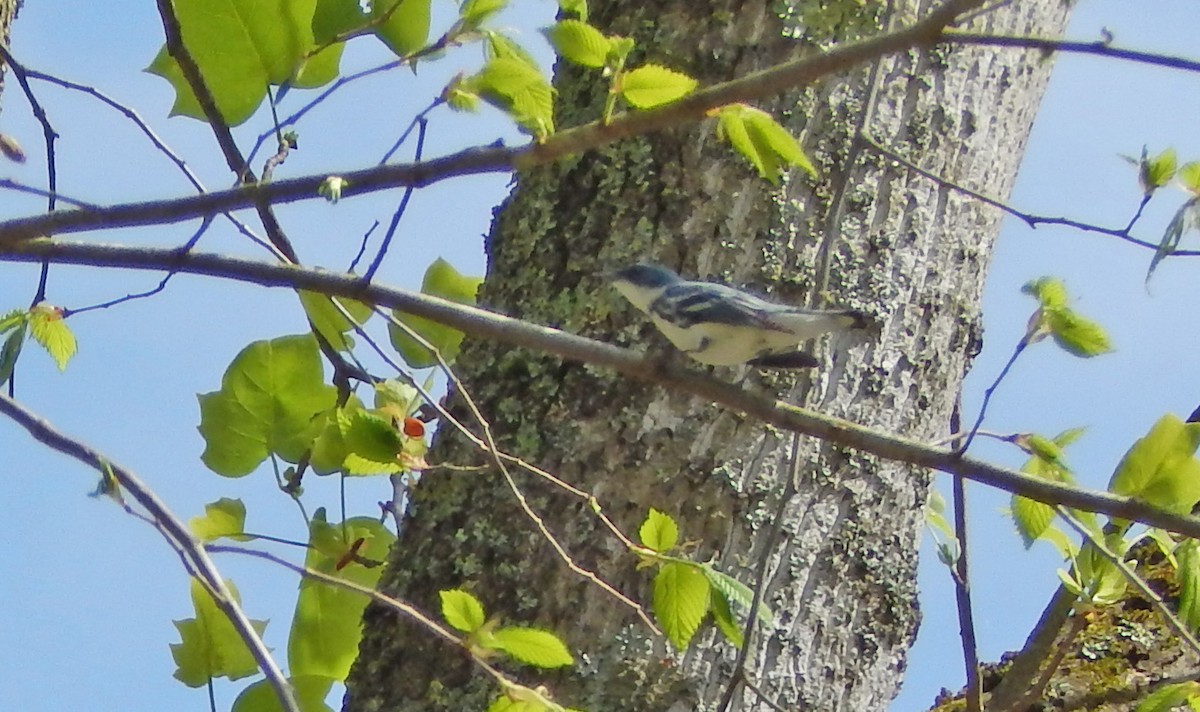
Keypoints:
(910, 253)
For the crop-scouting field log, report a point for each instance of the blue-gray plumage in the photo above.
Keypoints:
(723, 326)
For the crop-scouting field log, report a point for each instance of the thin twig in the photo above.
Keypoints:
(739, 677)
(174, 531)
(391, 230)
(10, 184)
(1101, 49)
(484, 324)
(962, 583)
(362, 246)
(987, 395)
(418, 121)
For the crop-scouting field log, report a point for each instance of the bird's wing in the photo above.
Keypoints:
(689, 303)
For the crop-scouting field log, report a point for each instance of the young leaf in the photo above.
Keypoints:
(579, 42)
(474, 13)
(1188, 557)
(1077, 335)
(47, 327)
(1032, 518)
(681, 599)
(441, 280)
(519, 89)
(1161, 468)
(659, 532)
(765, 131)
(223, 518)
(327, 623)
(736, 592)
(1169, 697)
(11, 351)
(373, 445)
(268, 399)
(539, 648)
(1185, 219)
(209, 645)
(761, 140)
(462, 610)
(1156, 172)
(651, 85)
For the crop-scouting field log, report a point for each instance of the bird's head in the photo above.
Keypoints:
(642, 283)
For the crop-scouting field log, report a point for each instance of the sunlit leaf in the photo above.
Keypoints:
(1187, 218)
(651, 85)
(1156, 172)
(540, 648)
(659, 532)
(310, 691)
(1169, 697)
(268, 400)
(406, 27)
(762, 141)
(224, 518)
(462, 610)
(723, 618)
(579, 42)
(1161, 468)
(210, 647)
(681, 599)
(329, 321)
(50, 330)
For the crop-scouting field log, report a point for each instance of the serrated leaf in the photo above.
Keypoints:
(1169, 697)
(241, 47)
(269, 399)
(1032, 518)
(681, 599)
(761, 140)
(310, 691)
(329, 321)
(1077, 335)
(373, 439)
(723, 617)
(473, 13)
(47, 327)
(498, 45)
(1161, 468)
(327, 624)
(461, 610)
(539, 648)
(579, 42)
(659, 532)
(441, 280)
(652, 85)
(12, 320)
(210, 646)
(406, 28)
(519, 89)
(224, 518)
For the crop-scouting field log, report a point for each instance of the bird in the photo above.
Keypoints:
(722, 326)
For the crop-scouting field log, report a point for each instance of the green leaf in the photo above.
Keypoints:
(659, 532)
(1189, 177)
(761, 140)
(223, 518)
(723, 617)
(47, 327)
(519, 89)
(329, 449)
(268, 401)
(539, 648)
(209, 645)
(372, 444)
(1078, 336)
(462, 610)
(651, 85)
(329, 322)
(1156, 172)
(681, 598)
(1188, 557)
(441, 280)
(10, 352)
(407, 27)
(1051, 293)
(327, 624)
(1032, 518)
(333, 18)
(498, 45)
(13, 319)
(310, 690)
(1161, 468)
(1169, 697)
(241, 46)
(579, 42)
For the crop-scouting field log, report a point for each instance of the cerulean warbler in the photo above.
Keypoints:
(723, 326)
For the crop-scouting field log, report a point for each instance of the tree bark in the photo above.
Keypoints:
(869, 235)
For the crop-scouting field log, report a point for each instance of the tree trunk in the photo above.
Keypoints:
(8, 13)
(869, 235)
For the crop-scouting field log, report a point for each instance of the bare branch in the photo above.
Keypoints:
(1098, 48)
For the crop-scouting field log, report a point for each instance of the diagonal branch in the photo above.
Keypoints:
(172, 529)
(481, 323)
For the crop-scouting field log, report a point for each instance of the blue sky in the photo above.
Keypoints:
(89, 593)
